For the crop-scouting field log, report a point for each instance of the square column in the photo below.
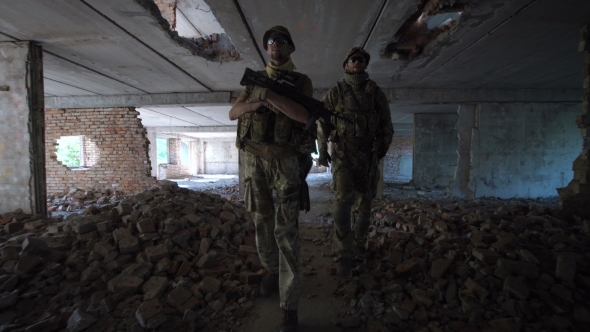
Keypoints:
(22, 128)
(174, 151)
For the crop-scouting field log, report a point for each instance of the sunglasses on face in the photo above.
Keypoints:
(279, 39)
(360, 59)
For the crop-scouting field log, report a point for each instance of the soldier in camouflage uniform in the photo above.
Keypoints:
(277, 158)
(358, 147)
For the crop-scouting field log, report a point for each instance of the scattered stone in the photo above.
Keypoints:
(351, 321)
(506, 324)
(439, 268)
(150, 314)
(516, 288)
(566, 267)
(210, 285)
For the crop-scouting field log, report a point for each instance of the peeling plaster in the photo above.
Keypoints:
(414, 38)
(215, 47)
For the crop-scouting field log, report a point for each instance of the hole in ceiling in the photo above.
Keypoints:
(193, 25)
(436, 20)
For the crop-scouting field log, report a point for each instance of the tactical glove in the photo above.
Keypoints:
(258, 94)
(324, 159)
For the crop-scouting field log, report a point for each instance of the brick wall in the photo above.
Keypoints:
(168, 10)
(168, 171)
(174, 151)
(91, 152)
(123, 161)
(400, 146)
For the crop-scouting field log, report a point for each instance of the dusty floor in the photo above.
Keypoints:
(318, 308)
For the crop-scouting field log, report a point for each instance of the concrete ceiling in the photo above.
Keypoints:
(118, 48)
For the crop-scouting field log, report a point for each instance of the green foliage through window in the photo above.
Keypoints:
(68, 150)
(162, 150)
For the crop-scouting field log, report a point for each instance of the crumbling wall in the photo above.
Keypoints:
(400, 146)
(575, 197)
(91, 152)
(168, 11)
(524, 150)
(119, 135)
(168, 171)
(216, 47)
(415, 37)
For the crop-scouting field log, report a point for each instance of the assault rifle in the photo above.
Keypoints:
(284, 86)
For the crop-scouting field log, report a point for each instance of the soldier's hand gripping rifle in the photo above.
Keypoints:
(284, 86)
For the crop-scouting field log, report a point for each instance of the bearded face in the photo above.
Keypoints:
(279, 49)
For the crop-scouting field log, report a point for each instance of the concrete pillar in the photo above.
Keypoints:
(466, 127)
(22, 128)
(193, 147)
(575, 197)
(174, 151)
(202, 159)
(153, 150)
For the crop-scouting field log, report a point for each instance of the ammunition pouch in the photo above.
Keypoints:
(267, 127)
(264, 126)
(362, 124)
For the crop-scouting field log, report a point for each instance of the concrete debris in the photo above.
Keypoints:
(416, 36)
(166, 258)
(575, 197)
(477, 265)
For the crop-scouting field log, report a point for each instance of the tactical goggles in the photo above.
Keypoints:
(279, 39)
(354, 59)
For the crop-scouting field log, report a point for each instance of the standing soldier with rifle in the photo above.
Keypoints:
(278, 158)
(358, 147)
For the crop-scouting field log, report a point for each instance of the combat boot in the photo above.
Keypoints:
(269, 285)
(290, 321)
(361, 227)
(344, 267)
(362, 222)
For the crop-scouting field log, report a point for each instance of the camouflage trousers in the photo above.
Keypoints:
(352, 200)
(277, 228)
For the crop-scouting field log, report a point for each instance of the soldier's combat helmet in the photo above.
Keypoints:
(277, 30)
(354, 50)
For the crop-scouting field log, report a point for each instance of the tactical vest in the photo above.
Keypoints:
(267, 127)
(360, 109)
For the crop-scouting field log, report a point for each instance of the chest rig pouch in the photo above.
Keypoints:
(265, 126)
(358, 106)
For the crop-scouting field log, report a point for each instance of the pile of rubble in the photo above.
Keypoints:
(481, 265)
(165, 259)
(232, 192)
(79, 199)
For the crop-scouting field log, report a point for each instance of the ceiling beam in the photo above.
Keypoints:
(418, 96)
(461, 96)
(216, 129)
(155, 99)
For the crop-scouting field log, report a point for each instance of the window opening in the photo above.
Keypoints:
(162, 150)
(184, 155)
(77, 152)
